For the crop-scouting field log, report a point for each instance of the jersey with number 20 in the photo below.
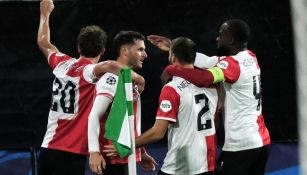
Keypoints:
(72, 100)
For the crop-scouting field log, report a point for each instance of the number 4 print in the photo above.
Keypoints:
(257, 90)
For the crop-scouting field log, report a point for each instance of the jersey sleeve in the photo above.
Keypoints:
(169, 102)
(203, 61)
(107, 85)
(57, 57)
(230, 68)
(200, 78)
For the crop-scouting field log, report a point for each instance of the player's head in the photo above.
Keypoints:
(182, 50)
(130, 46)
(91, 41)
(233, 33)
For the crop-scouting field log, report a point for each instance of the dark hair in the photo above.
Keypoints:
(239, 30)
(91, 40)
(184, 49)
(125, 37)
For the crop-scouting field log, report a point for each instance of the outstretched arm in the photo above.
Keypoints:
(43, 35)
(201, 78)
(154, 134)
(115, 67)
(161, 42)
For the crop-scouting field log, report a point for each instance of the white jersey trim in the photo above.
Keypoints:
(166, 118)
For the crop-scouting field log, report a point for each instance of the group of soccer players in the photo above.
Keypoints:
(226, 85)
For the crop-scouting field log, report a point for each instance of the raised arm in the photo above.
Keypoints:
(161, 42)
(43, 35)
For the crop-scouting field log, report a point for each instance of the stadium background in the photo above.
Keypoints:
(26, 78)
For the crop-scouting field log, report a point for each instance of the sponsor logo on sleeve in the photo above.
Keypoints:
(59, 54)
(222, 64)
(166, 106)
(111, 80)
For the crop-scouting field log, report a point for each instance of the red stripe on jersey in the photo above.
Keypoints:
(231, 70)
(255, 58)
(106, 94)
(169, 102)
(263, 131)
(57, 57)
(211, 151)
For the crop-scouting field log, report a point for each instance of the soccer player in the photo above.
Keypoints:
(64, 148)
(247, 140)
(130, 49)
(187, 111)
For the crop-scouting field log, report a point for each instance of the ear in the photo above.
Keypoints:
(123, 50)
(102, 51)
(232, 40)
(79, 49)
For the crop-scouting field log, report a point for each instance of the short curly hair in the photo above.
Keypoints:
(91, 40)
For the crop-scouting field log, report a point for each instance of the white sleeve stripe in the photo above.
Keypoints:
(128, 88)
(166, 118)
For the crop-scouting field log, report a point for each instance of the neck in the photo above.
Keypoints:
(184, 65)
(238, 48)
(93, 60)
(122, 61)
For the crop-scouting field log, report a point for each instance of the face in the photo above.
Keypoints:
(136, 54)
(224, 41)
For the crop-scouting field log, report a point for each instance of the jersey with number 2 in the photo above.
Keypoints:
(191, 133)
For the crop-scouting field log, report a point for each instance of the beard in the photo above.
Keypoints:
(222, 51)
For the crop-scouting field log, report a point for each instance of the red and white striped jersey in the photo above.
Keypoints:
(72, 99)
(244, 123)
(191, 133)
(107, 86)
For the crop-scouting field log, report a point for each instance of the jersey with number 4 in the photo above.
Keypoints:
(72, 99)
(244, 123)
(191, 133)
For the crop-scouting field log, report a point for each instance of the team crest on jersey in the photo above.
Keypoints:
(111, 80)
(166, 106)
(222, 64)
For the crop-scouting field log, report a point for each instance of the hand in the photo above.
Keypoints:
(110, 151)
(97, 162)
(139, 81)
(161, 42)
(148, 163)
(46, 7)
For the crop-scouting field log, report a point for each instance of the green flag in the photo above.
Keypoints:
(117, 125)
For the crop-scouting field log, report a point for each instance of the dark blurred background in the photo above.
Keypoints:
(26, 78)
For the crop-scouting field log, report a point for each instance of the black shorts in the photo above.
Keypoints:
(206, 173)
(56, 162)
(246, 162)
(116, 169)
